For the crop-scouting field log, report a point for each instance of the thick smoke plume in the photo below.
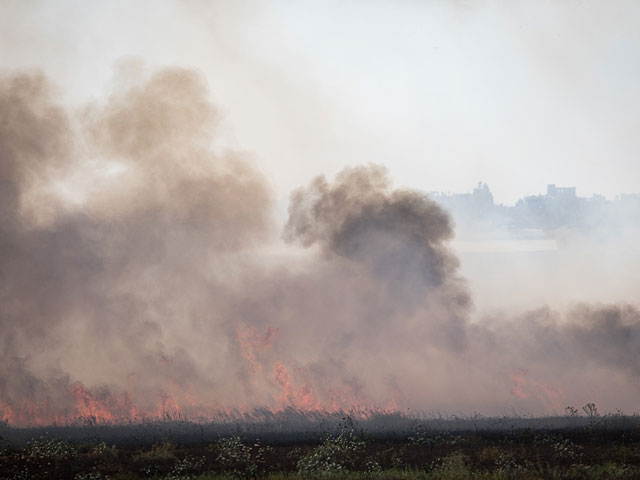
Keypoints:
(110, 287)
(138, 279)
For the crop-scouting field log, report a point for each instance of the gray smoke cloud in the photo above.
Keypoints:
(397, 237)
(137, 278)
(103, 290)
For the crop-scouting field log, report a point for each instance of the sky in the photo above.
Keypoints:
(214, 207)
(517, 94)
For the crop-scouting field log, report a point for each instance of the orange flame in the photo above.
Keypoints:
(552, 398)
(301, 398)
(290, 387)
(253, 344)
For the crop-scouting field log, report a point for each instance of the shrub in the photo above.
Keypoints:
(185, 469)
(90, 476)
(49, 449)
(104, 451)
(240, 460)
(162, 453)
(335, 455)
(453, 467)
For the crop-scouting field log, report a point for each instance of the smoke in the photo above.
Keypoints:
(110, 286)
(555, 359)
(600, 336)
(397, 238)
(138, 279)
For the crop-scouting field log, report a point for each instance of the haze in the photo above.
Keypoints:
(445, 93)
(210, 208)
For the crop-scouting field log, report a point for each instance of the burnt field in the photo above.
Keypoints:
(302, 445)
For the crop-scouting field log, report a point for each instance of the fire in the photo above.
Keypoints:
(83, 405)
(552, 398)
(254, 343)
(88, 406)
(518, 383)
(300, 398)
(281, 384)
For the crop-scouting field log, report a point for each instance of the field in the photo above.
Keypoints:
(298, 445)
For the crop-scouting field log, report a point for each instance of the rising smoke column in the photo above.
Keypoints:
(397, 238)
(112, 290)
(379, 287)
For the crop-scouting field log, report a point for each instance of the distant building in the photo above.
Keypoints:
(482, 195)
(567, 192)
(474, 210)
(559, 207)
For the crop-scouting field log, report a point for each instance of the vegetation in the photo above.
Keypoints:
(589, 451)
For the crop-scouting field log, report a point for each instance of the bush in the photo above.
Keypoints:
(49, 449)
(335, 455)
(161, 453)
(453, 467)
(240, 460)
(90, 476)
(104, 451)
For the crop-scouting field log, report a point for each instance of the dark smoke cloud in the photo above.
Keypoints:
(609, 334)
(564, 358)
(397, 234)
(399, 238)
(137, 278)
(586, 336)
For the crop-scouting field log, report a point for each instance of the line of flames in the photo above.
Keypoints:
(101, 406)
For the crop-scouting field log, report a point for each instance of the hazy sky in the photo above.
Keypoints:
(444, 93)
